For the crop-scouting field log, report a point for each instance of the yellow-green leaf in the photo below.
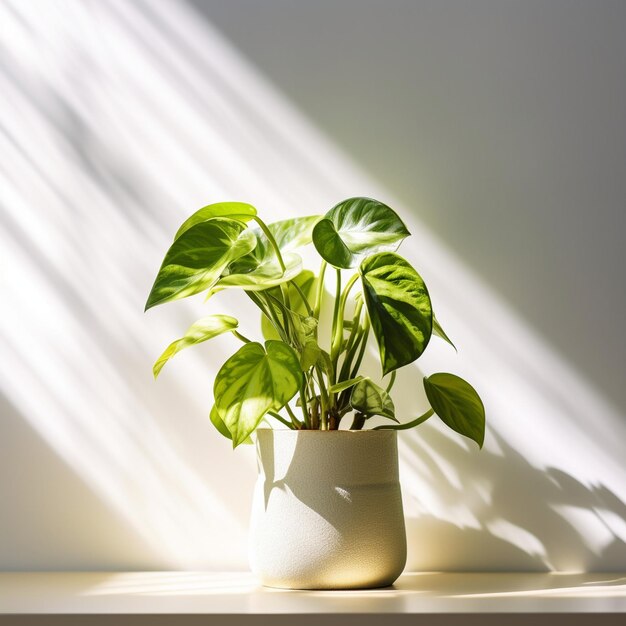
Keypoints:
(234, 210)
(253, 381)
(217, 421)
(265, 275)
(202, 330)
(261, 269)
(196, 259)
(344, 384)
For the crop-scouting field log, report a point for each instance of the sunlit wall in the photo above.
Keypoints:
(117, 119)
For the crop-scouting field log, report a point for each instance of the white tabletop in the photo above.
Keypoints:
(211, 593)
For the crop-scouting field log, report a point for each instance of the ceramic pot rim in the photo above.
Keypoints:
(324, 433)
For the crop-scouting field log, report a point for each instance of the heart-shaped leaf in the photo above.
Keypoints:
(240, 211)
(205, 328)
(399, 308)
(254, 381)
(456, 402)
(196, 259)
(370, 399)
(356, 228)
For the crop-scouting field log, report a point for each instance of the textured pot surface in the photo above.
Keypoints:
(327, 510)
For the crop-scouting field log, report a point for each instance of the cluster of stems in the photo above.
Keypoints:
(321, 408)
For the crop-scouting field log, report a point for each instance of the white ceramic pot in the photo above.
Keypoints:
(327, 510)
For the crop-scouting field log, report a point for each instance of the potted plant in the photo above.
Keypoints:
(327, 509)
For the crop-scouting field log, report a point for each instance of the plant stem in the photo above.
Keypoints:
(320, 291)
(281, 419)
(392, 380)
(323, 392)
(303, 402)
(311, 390)
(315, 414)
(284, 290)
(333, 333)
(270, 237)
(260, 299)
(358, 422)
(284, 335)
(307, 306)
(287, 313)
(242, 337)
(364, 335)
(353, 342)
(324, 401)
(415, 422)
(296, 422)
(255, 298)
(340, 307)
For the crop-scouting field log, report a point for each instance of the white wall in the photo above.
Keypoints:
(494, 129)
(500, 124)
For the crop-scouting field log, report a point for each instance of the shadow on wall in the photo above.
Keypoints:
(508, 512)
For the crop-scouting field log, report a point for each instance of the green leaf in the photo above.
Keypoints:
(265, 275)
(293, 233)
(219, 423)
(356, 228)
(254, 381)
(440, 332)
(289, 235)
(370, 399)
(205, 328)
(345, 384)
(233, 210)
(196, 259)
(325, 363)
(399, 308)
(221, 427)
(260, 269)
(311, 352)
(456, 402)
